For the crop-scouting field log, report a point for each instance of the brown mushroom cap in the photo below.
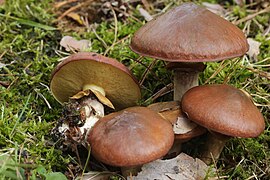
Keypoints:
(131, 137)
(224, 109)
(83, 68)
(170, 111)
(189, 33)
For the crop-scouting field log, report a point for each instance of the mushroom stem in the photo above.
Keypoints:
(86, 111)
(213, 147)
(175, 149)
(93, 110)
(186, 76)
(183, 81)
(130, 170)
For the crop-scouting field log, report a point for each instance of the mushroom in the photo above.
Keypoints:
(91, 80)
(225, 110)
(187, 36)
(131, 138)
(183, 132)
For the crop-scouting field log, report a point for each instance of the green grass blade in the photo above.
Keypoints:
(30, 23)
(20, 116)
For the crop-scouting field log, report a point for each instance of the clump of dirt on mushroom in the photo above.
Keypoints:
(78, 117)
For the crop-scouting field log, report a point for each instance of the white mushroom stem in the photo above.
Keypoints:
(130, 171)
(183, 81)
(92, 110)
(213, 147)
(186, 76)
(175, 150)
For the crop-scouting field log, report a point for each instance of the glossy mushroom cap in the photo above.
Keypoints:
(223, 109)
(84, 68)
(189, 33)
(131, 137)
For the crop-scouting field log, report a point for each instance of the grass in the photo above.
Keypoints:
(29, 50)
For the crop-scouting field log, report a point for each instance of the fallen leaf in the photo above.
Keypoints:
(181, 167)
(145, 14)
(71, 44)
(254, 49)
(215, 8)
(97, 175)
(76, 17)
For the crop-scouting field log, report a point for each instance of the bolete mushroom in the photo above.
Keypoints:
(225, 110)
(186, 36)
(130, 138)
(184, 129)
(92, 80)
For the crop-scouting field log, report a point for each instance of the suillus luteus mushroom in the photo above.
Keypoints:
(186, 36)
(224, 110)
(85, 82)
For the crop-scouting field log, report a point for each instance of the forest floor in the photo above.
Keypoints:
(30, 35)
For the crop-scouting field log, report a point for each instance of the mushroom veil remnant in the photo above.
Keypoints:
(225, 110)
(85, 82)
(187, 36)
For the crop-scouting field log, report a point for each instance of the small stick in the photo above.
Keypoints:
(252, 16)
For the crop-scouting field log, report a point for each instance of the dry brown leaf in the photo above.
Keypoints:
(76, 17)
(254, 49)
(145, 14)
(215, 8)
(181, 167)
(97, 175)
(71, 44)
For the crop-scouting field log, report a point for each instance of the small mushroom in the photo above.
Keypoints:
(131, 138)
(225, 110)
(184, 129)
(186, 36)
(91, 80)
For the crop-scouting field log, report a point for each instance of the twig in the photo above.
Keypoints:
(4, 84)
(252, 16)
(222, 65)
(147, 71)
(60, 4)
(215, 164)
(99, 38)
(261, 73)
(73, 9)
(115, 30)
(168, 88)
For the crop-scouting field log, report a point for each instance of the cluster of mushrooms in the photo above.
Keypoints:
(185, 37)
